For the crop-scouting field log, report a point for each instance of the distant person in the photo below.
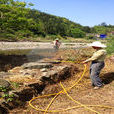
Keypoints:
(57, 44)
(97, 63)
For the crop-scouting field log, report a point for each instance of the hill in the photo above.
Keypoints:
(18, 21)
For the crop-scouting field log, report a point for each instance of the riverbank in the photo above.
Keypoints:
(33, 45)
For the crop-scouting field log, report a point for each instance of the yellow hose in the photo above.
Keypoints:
(70, 97)
(77, 101)
(65, 91)
(51, 102)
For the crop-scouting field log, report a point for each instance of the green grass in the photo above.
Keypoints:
(110, 46)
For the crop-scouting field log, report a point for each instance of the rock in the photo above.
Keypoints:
(4, 83)
(52, 73)
(28, 72)
(35, 65)
(2, 100)
(43, 70)
(15, 70)
(44, 73)
(25, 72)
(33, 83)
(14, 93)
(4, 74)
(56, 74)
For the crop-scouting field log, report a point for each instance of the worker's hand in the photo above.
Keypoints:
(84, 62)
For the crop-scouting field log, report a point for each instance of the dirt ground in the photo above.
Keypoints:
(83, 92)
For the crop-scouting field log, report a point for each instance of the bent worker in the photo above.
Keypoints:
(57, 44)
(97, 63)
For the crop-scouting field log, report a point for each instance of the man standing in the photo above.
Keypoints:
(57, 44)
(97, 63)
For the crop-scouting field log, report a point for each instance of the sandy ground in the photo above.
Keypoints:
(33, 45)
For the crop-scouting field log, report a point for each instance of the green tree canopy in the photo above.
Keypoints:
(77, 33)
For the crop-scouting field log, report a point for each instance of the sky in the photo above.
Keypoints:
(84, 12)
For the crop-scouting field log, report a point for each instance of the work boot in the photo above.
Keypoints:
(96, 87)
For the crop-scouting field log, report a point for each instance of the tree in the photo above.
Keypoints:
(77, 33)
(17, 20)
(103, 24)
(86, 29)
(100, 29)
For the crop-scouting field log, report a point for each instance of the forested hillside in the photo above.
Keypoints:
(19, 21)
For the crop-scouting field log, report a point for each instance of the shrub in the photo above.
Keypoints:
(7, 37)
(110, 46)
(23, 33)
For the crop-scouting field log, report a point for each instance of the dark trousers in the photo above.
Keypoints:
(56, 48)
(95, 69)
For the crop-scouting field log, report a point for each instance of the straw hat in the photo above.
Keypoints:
(57, 39)
(97, 44)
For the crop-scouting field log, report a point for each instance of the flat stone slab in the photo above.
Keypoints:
(36, 65)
